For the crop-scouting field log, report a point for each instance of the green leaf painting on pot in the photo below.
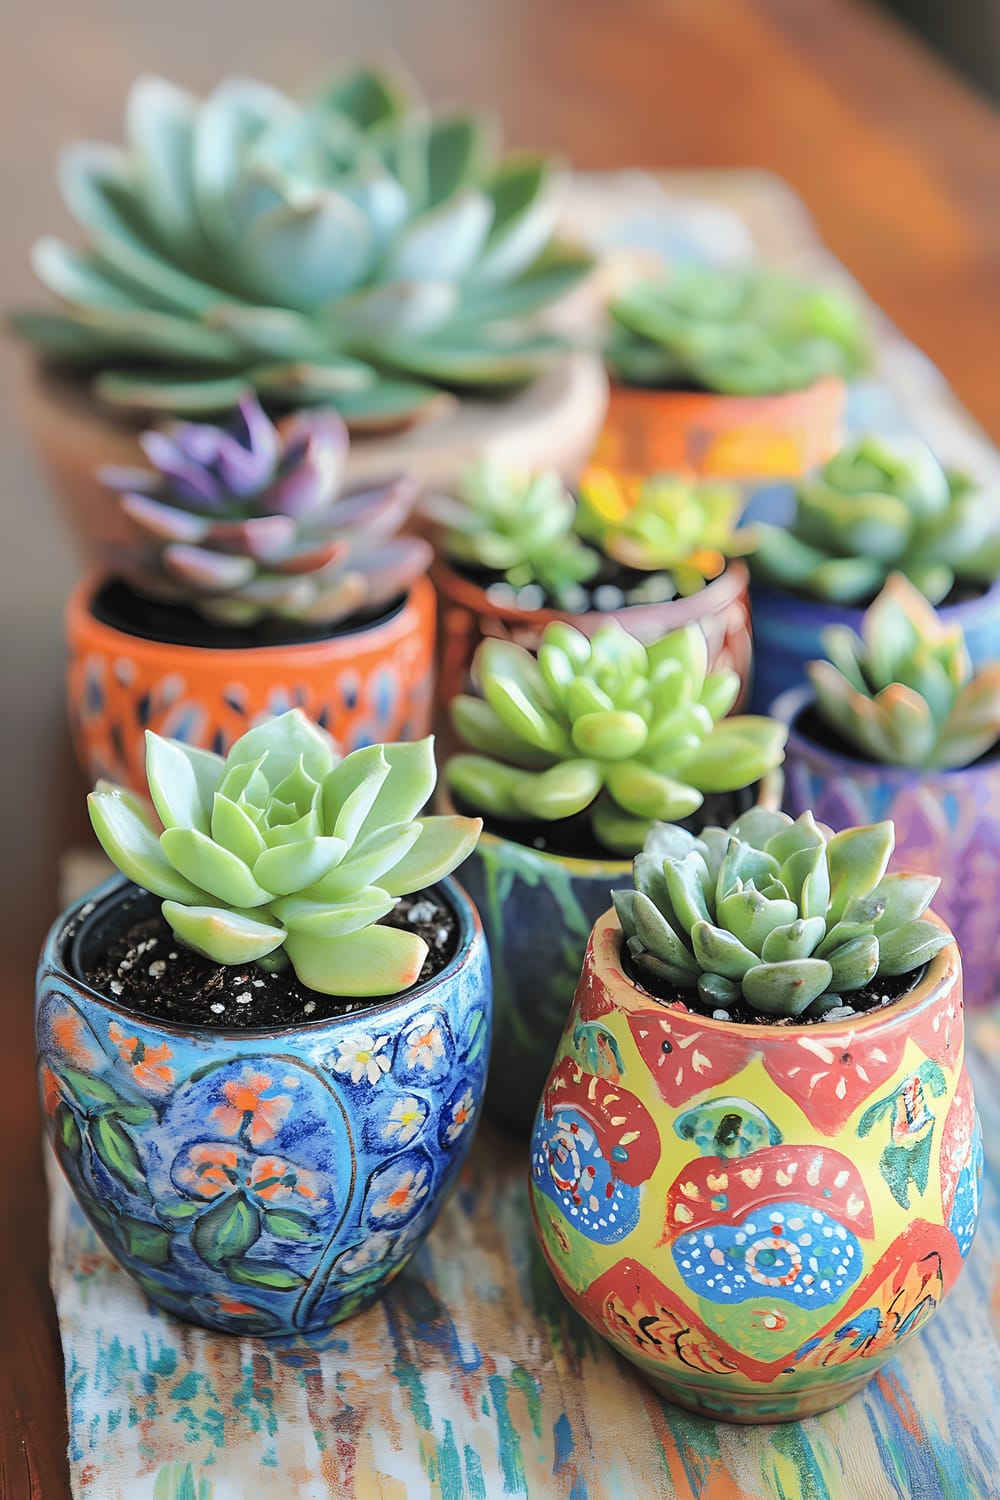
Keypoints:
(756, 1166)
(352, 250)
(262, 1054)
(900, 724)
(573, 755)
(880, 505)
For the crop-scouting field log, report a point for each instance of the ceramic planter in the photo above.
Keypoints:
(788, 632)
(537, 910)
(261, 1182)
(468, 616)
(723, 437)
(365, 686)
(757, 1217)
(947, 824)
(554, 422)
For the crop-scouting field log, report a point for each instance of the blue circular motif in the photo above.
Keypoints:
(569, 1167)
(788, 1250)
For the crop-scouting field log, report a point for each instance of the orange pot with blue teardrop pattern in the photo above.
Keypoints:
(756, 1216)
(723, 437)
(365, 686)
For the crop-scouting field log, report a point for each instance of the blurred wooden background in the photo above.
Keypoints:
(898, 161)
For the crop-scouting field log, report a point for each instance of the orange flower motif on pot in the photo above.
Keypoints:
(756, 1215)
(246, 1111)
(148, 1064)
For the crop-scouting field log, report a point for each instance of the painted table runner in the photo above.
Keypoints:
(472, 1379)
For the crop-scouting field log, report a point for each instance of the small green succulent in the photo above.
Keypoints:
(283, 852)
(608, 727)
(738, 330)
(780, 916)
(353, 250)
(882, 505)
(518, 524)
(662, 523)
(904, 691)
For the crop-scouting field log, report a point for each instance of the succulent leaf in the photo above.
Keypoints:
(302, 851)
(881, 505)
(594, 711)
(709, 919)
(904, 692)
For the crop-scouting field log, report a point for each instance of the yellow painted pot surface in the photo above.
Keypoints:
(756, 1216)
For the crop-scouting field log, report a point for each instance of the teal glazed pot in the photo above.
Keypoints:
(537, 911)
(788, 633)
(947, 824)
(261, 1182)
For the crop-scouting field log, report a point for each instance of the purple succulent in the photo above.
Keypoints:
(246, 520)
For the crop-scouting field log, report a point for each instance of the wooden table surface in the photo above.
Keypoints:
(898, 161)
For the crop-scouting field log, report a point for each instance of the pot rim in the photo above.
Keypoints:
(715, 597)
(82, 623)
(789, 706)
(825, 384)
(54, 960)
(942, 974)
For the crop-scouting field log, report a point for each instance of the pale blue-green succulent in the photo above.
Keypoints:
(284, 852)
(621, 732)
(780, 916)
(353, 249)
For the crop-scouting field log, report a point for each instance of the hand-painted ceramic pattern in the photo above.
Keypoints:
(263, 1182)
(366, 687)
(722, 437)
(788, 632)
(947, 824)
(756, 1216)
(468, 616)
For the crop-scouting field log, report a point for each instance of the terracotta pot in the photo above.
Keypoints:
(268, 1182)
(723, 437)
(947, 824)
(365, 686)
(788, 632)
(468, 616)
(554, 422)
(757, 1217)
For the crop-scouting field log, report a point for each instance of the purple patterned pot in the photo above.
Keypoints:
(264, 1182)
(788, 632)
(947, 824)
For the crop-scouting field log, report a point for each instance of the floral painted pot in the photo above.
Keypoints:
(947, 824)
(553, 421)
(261, 1182)
(788, 633)
(757, 1217)
(723, 437)
(365, 686)
(468, 616)
(537, 911)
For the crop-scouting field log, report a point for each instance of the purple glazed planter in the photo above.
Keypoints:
(947, 824)
(788, 632)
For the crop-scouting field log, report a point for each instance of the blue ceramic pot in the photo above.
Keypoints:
(537, 911)
(947, 824)
(261, 1182)
(788, 632)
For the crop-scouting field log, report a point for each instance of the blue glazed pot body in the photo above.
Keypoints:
(788, 633)
(263, 1182)
(537, 911)
(947, 824)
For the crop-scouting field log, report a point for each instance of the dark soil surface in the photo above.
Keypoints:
(573, 838)
(875, 996)
(613, 587)
(118, 605)
(142, 967)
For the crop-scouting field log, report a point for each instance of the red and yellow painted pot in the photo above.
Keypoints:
(723, 437)
(365, 686)
(756, 1217)
(468, 616)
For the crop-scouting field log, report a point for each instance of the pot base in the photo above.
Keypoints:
(756, 1407)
